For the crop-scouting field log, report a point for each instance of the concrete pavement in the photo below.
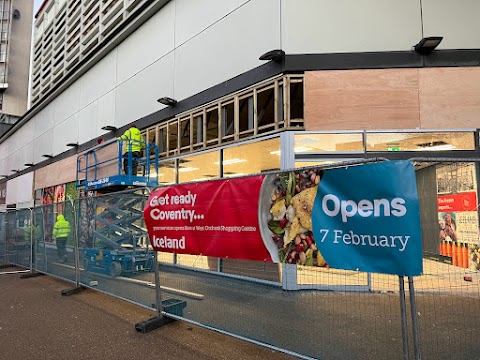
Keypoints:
(37, 322)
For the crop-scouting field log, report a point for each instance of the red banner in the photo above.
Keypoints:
(272, 217)
(458, 202)
(217, 218)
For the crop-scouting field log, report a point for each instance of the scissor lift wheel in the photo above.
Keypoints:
(115, 268)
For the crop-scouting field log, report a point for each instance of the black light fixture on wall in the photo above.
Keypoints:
(109, 128)
(72, 144)
(47, 156)
(167, 101)
(29, 164)
(275, 55)
(427, 44)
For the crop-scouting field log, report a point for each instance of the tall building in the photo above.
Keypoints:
(69, 33)
(15, 38)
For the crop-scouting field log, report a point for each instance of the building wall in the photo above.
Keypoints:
(15, 98)
(428, 98)
(160, 59)
(322, 26)
(456, 21)
(20, 191)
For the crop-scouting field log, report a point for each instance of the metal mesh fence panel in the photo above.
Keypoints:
(114, 250)
(313, 312)
(338, 324)
(40, 252)
(336, 314)
(3, 240)
(15, 242)
(346, 322)
(47, 249)
(18, 238)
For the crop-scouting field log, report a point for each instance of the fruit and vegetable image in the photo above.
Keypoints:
(290, 221)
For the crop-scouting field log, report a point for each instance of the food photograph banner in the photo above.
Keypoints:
(363, 217)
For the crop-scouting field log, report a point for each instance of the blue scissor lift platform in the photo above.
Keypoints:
(120, 242)
(101, 167)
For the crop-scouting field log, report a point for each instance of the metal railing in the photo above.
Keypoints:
(106, 161)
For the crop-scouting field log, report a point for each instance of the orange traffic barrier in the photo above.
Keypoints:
(465, 256)
(459, 255)
(454, 254)
(449, 248)
(445, 244)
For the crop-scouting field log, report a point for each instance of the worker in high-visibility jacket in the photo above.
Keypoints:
(135, 144)
(61, 230)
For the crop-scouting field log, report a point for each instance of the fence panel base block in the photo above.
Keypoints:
(152, 323)
(75, 290)
(30, 275)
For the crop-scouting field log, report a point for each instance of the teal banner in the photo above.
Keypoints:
(367, 218)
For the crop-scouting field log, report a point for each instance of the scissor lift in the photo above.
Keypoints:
(119, 245)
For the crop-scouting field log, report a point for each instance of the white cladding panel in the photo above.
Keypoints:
(64, 133)
(19, 139)
(105, 111)
(14, 143)
(20, 189)
(23, 156)
(228, 48)
(193, 16)
(66, 104)
(14, 163)
(25, 135)
(44, 120)
(7, 165)
(148, 44)
(19, 158)
(457, 21)
(99, 80)
(43, 145)
(5, 147)
(137, 97)
(325, 26)
(87, 123)
(28, 151)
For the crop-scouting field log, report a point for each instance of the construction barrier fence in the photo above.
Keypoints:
(309, 312)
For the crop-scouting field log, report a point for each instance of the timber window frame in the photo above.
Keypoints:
(266, 108)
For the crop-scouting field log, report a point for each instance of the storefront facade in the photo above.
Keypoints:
(327, 96)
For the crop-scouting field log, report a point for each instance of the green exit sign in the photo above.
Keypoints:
(393, 149)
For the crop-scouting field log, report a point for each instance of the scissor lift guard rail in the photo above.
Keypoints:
(102, 166)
